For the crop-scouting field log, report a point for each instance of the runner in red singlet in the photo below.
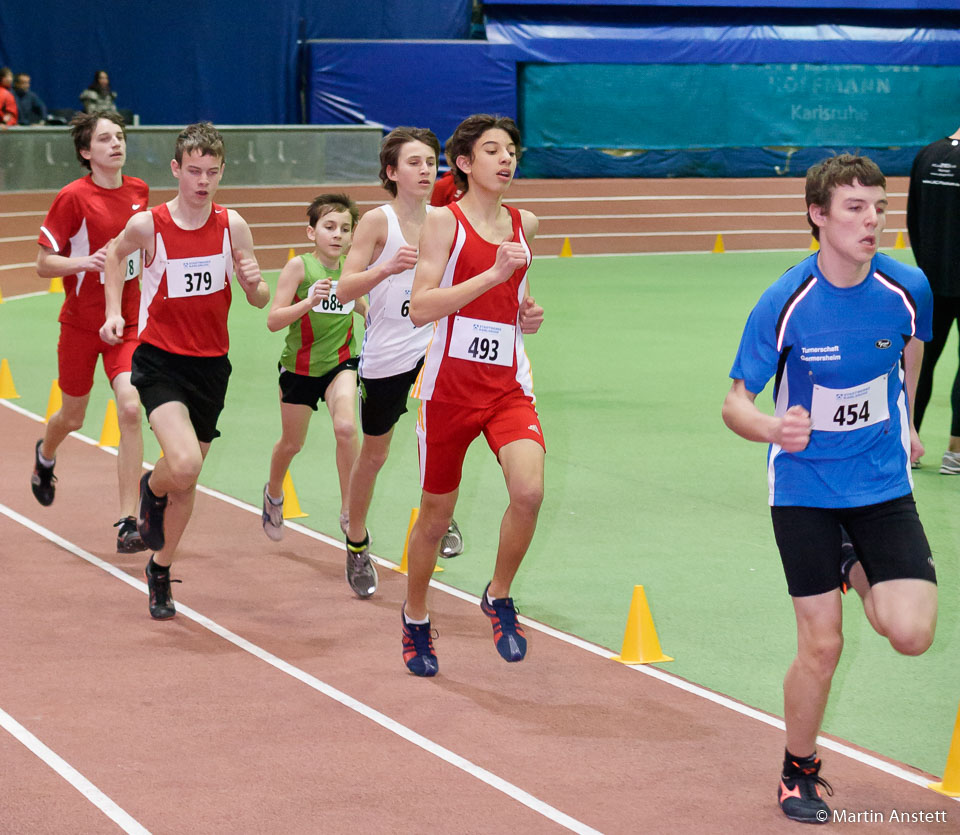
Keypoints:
(471, 280)
(191, 248)
(73, 240)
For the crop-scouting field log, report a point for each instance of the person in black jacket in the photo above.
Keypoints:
(933, 221)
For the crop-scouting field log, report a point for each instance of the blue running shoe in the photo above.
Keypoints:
(507, 633)
(418, 652)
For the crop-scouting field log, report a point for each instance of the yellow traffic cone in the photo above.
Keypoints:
(402, 568)
(1, 296)
(718, 244)
(814, 244)
(899, 244)
(950, 784)
(55, 400)
(566, 251)
(56, 285)
(110, 434)
(8, 391)
(640, 643)
(291, 507)
(291, 255)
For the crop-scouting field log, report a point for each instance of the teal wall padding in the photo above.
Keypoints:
(663, 106)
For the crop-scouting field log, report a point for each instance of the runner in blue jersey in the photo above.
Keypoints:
(841, 334)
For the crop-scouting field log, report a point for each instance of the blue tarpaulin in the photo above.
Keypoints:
(430, 84)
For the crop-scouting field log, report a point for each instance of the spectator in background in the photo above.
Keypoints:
(8, 103)
(99, 95)
(32, 110)
(933, 220)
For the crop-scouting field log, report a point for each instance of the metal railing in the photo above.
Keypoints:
(257, 155)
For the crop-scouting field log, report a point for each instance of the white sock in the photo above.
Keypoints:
(272, 500)
(415, 622)
(489, 598)
(44, 461)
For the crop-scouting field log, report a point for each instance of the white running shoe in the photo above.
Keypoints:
(950, 465)
(452, 543)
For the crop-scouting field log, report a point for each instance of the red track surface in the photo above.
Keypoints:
(187, 732)
(597, 216)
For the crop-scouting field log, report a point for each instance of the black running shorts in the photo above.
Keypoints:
(304, 390)
(888, 539)
(200, 383)
(384, 399)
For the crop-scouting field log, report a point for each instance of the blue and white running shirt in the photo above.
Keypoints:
(838, 353)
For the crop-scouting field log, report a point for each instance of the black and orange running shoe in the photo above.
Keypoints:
(799, 792)
(507, 633)
(848, 558)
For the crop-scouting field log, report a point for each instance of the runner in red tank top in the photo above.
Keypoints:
(191, 247)
(73, 240)
(471, 280)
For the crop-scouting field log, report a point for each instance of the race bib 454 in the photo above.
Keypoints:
(842, 410)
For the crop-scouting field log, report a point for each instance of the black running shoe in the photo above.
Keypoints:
(128, 538)
(42, 480)
(799, 793)
(150, 523)
(161, 600)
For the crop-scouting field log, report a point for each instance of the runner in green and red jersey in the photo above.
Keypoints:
(319, 359)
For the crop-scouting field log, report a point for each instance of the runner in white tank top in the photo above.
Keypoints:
(381, 262)
(391, 343)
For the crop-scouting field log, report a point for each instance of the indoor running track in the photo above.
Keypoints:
(277, 702)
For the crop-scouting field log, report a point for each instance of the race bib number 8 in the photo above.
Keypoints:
(188, 277)
(131, 267)
(843, 410)
(332, 304)
(478, 340)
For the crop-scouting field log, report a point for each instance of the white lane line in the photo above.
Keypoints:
(405, 733)
(26, 295)
(71, 775)
(654, 672)
(707, 233)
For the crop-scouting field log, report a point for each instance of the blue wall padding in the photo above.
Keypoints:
(729, 37)
(874, 5)
(230, 61)
(714, 162)
(715, 106)
(390, 19)
(422, 84)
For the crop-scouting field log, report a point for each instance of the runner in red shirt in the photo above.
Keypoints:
(73, 240)
(445, 190)
(191, 247)
(471, 280)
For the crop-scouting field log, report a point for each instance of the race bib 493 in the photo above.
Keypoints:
(479, 340)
